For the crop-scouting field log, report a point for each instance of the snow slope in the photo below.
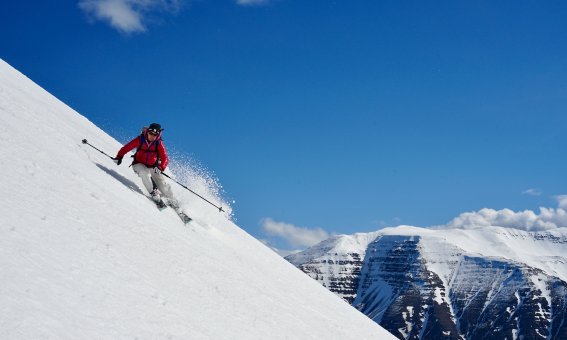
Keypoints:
(546, 250)
(85, 255)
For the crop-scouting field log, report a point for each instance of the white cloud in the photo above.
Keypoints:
(132, 16)
(562, 201)
(295, 236)
(548, 218)
(251, 2)
(128, 16)
(532, 192)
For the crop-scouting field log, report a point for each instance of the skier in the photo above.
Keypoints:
(150, 160)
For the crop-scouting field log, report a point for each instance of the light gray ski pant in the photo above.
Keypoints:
(147, 174)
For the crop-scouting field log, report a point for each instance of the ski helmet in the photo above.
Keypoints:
(155, 128)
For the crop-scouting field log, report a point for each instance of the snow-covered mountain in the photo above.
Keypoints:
(478, 283)
(85, 255)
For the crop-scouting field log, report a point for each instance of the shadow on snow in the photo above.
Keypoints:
(128, 183)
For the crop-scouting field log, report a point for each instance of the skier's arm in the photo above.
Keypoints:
(163, 157)
(128, 147)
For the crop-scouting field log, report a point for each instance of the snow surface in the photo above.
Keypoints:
(85, 255)
(340, 244)
(546, 250)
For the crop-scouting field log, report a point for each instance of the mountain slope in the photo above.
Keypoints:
(429, 284)
(85, 255)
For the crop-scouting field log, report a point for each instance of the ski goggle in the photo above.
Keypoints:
(153, 132)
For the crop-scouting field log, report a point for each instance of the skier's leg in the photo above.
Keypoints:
(145, 174)
(164, 188)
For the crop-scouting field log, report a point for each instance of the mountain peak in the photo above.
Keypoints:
(452, 283)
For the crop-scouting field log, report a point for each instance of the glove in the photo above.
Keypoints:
(117, 160)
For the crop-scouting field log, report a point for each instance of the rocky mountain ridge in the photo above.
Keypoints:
(485, 283)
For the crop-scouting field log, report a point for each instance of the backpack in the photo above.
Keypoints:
(142, 142)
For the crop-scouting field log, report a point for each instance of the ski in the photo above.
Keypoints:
(184, 217)
(162, 205)
(159, 204)
(173, 204)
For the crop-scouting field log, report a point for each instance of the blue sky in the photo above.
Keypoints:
(322, 117)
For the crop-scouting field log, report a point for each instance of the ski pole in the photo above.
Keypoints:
(97, 149)
(204, 199)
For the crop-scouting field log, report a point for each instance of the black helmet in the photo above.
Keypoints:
(154, 127)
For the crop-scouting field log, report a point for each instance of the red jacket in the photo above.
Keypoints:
(147, 152)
